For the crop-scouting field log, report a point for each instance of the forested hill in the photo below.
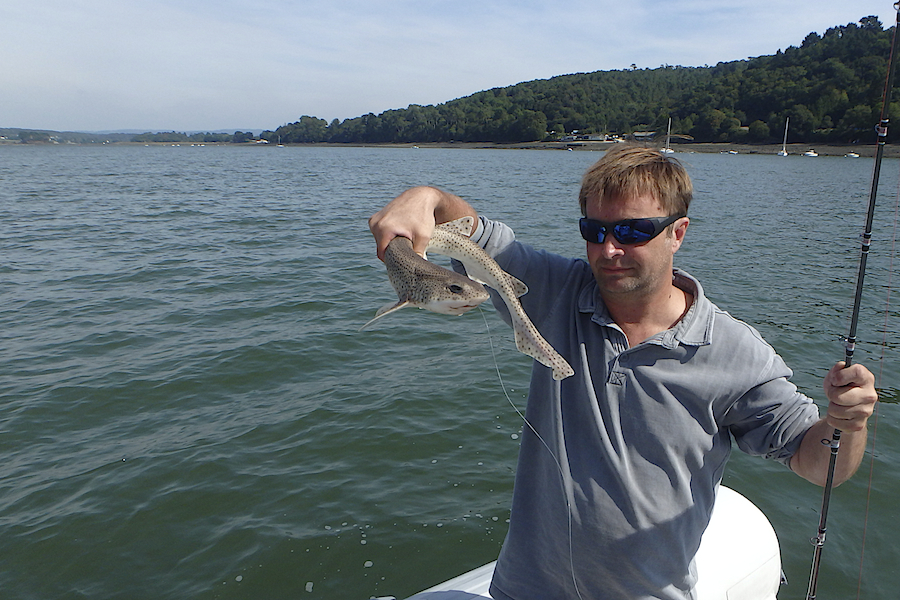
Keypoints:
(830, 87)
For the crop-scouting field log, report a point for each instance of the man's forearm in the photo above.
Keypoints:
(811, 460)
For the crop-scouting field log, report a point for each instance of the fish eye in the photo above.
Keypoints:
(455, 288)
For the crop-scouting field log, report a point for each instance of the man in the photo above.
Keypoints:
(614, 491)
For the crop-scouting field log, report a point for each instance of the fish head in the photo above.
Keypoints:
(426, 285)
(450, 295)
(423, 284)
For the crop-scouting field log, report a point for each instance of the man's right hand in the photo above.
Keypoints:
(413, 214)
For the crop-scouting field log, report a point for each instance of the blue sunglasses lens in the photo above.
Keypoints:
(628, 231)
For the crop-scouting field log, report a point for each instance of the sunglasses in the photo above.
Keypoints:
(626, 231)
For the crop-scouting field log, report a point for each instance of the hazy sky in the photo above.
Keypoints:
(91, 65)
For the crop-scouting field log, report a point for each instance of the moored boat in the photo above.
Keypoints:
(783, 151)
(668, 150)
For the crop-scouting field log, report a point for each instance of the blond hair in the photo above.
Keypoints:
(628, 170)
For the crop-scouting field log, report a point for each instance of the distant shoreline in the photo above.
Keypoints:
(683, 148)
(864, 150)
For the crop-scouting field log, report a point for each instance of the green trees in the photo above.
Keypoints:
(822, 85)
(830, 87)
(307, 129)
(177, 137)
(759, 131)
(26, 136)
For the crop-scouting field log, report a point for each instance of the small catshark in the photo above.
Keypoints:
(423, 284)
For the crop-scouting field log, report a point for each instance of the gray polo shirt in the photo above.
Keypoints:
(620, 485)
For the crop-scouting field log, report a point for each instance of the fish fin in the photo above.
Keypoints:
(547, 356)
(462, 226)
(562, 371)
(527, 345)
(386, 310)
(519, 287)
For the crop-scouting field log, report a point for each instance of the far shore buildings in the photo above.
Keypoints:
(588, 137)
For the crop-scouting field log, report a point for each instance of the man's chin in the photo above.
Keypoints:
(617, 285)
(623, 281)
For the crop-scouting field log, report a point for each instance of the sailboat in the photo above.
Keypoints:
(783, 151)
(668, 150)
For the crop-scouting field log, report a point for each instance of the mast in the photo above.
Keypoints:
(783, 152)
(668, 150)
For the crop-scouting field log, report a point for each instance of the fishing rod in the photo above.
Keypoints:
(850, 345)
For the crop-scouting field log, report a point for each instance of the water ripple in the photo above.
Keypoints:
(190, 410)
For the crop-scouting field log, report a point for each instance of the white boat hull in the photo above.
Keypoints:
(738, 559)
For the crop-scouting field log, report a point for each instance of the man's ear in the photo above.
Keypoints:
(679, 232)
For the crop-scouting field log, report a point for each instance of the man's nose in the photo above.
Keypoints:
(610, 247)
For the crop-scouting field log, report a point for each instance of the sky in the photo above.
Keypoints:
(208, 65)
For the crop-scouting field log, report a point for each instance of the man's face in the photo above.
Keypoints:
(637, 270)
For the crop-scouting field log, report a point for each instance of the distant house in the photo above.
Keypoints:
(587, 137)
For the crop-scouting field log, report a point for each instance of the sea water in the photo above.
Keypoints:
(189, 410)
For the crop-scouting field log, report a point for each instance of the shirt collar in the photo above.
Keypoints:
(694, 329)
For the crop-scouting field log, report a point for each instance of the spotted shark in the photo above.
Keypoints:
(423, 284)
(408, 276)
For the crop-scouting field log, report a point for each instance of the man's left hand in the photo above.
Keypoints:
(851, 396)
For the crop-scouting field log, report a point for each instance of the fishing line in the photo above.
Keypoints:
(879, 379)
(835, 442)
(562, 476)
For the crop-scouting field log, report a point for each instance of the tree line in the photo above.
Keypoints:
(28, 136)
(830, 87)
(238, 137)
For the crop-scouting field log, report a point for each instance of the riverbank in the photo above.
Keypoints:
(867, 150)
(706, 148)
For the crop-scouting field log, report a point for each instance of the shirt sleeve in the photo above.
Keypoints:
(543, 273)
(493, 236)
(771, 418)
